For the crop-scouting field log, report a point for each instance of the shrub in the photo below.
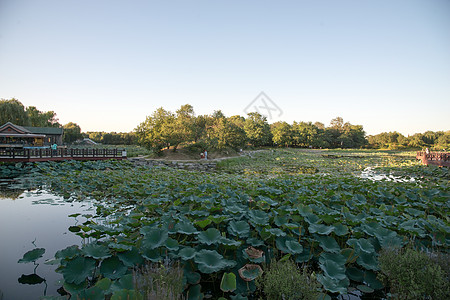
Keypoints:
(162, 281)
(284, 280)
(412, 274)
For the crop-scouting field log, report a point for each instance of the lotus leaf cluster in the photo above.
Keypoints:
(224, 226)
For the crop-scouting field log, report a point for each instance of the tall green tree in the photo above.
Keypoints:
(13, 111)
(156, 131)
(281, 134)
(72, 132)
(42, 119)
(257, 130)
(225, 132)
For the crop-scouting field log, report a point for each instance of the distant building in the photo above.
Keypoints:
(12, 135)
(87, 141)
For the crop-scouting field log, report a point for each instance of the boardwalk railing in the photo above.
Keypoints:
(43, 154)
(444, 156)
(434, 158)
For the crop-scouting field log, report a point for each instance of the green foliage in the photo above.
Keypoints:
(32, 255)
(284, 280)
(72, 132)
(112, 138)
(163, 281)
(412, 274)
(13, 111)
(438, 140)
(334, 222)
(41, 119)
(257, 130)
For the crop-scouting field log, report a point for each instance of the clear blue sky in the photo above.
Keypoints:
(106, 64)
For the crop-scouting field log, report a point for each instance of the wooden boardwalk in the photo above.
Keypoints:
(441, 159)
(46, 154)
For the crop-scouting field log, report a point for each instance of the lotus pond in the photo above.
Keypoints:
(311, 207)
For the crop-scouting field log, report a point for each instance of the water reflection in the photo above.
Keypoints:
(29, 220)
(370, 173)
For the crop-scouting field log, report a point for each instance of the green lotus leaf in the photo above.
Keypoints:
(203, 223)
(329, 218)
(320, 229)
(333, 270)
(238, 297)
(370, 278)
(185, 228)
(148, 228)
(96, 251)
(328, 243)
(311, 218)
(367, 260)
(218, 219)
(293, 247)
(155, 237)
(334, 257)
(305, 256)
(332, 285)
(350, 254)
(32, 255)
(323, 296)
(92, 293)
(126, 294)
(388, 238)
(210, 236)
(239, 228)
(113, 268)
(228, 283)
(131, 258)
(255, 242)
(340, 229)
(230, 243)
(187, 253)
(103, 284)
(73, 288)
(78, 270)
(195, 293)
(258, 217)
(280, 220)
(250, 272)
(192, 277)
(126, 282)
(119, 247)
(172, 244)
(355, 274)
(280, 243)
(74, 228)
(209, 261)
(361, 245)
(153, 255)
(30, 279)
(263, 201)
(365, 289)
(275, 231)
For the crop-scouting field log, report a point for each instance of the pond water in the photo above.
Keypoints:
(370, 173)
(29, 220)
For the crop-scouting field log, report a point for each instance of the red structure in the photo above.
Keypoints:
(441, 159)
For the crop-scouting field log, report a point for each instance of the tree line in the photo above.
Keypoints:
(436, 140)
(165, 129)
(14, 111)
